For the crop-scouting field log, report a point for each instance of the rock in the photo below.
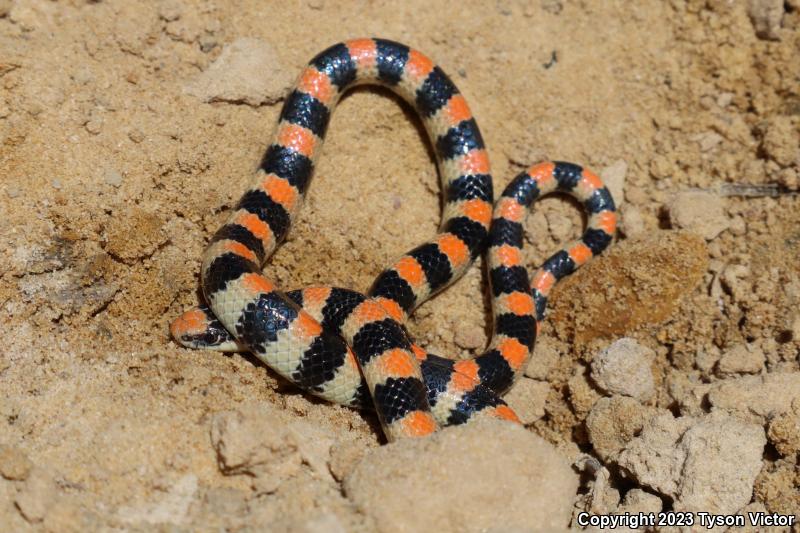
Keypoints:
(613, 422)
(700, 212)
(624, 368)
(708, 140)
(443, 481)
(766, 17)
(784, 431)
(527, 398)
(654, 458)
(112, 177)
(247, 71)
(14, 465)
(756, 398)
(634, 283)
(741, 359)
(614, 178)
(36, 496)
(257, 441)
(582, 395)
(778, 487)
(631, 221)
(708, 463)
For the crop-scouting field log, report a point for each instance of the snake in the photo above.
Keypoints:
(352, 348)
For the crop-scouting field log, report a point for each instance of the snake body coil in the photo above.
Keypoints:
(353, 349)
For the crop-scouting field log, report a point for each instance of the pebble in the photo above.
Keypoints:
(624, 368)
(706, 463)
(709, 140)
(756, 398)
(443, 479)
(112, 177)
(136, 135)
(766, 17)
(700, 212)
(613, 422)
(247, 71)
(169, 10)
(741, 359)
(94, 125)
(528, 398)
(631, 221)
(784, 431)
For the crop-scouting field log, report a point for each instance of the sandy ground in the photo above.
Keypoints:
(114, 173)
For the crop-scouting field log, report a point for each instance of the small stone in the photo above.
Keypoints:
(14, 464)
(738, 226)
(784, 431)
(756, 398)
(94, 125)
(741, 359)
(247, 71)
(169, 10)
(454, 467)
(112, 177)
(700, 212)
(83, 76)
(528, 398)
(661, 167)
(582, 396)
(631, 221)
(724, 99)
(614, 178)
(207, 44)
(709, 140)
(13, 192)
(624, 368)
(56, 183)
(136, 135)
(734, 278)
(613, 422)
(766, 17)
(256, 441)
(708, 463)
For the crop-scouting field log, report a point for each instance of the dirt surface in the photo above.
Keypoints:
(118, 160)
